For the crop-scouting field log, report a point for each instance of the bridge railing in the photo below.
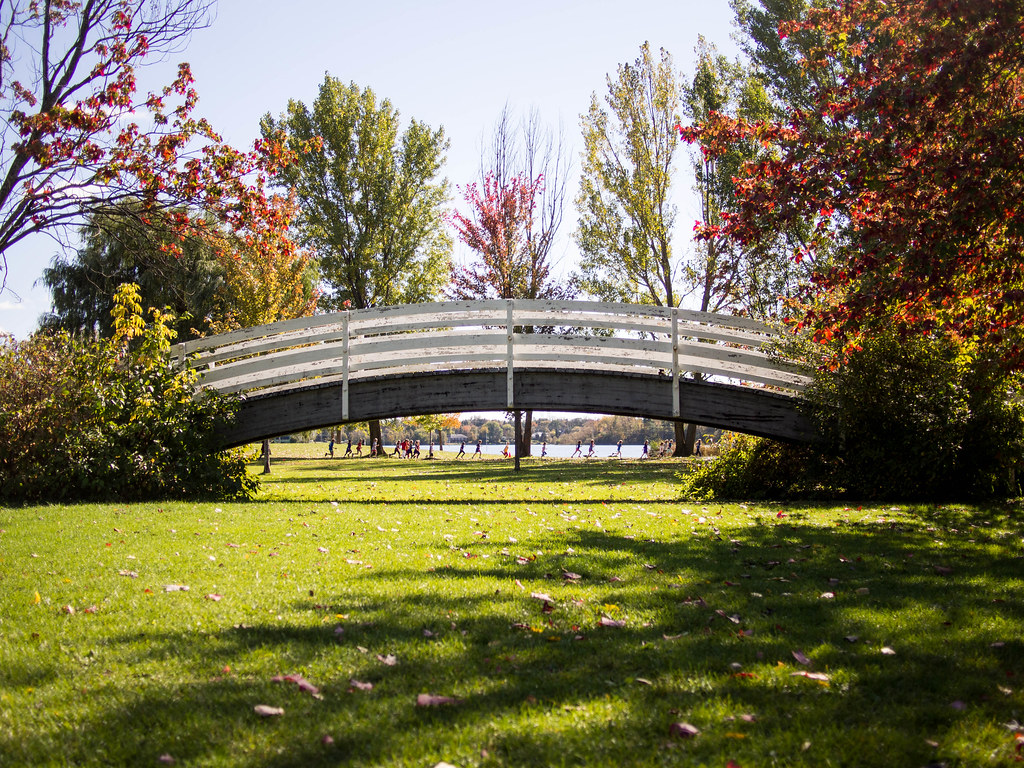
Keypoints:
(502, 334)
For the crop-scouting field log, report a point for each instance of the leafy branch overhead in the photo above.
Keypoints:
(77, 138)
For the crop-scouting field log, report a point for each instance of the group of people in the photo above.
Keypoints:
(410, 449)
(348, 448)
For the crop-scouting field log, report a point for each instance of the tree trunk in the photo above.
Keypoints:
(691, 438)
(440, 440)
(519, 435)
(375, 432)
(524, 441)
(681, 429)
(266, 457)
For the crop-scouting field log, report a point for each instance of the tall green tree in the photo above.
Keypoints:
(371, 203)
(776, 59)
(626, 215)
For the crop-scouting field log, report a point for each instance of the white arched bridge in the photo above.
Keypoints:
(580, 356)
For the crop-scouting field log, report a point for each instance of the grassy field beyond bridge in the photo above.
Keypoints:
(407, 613)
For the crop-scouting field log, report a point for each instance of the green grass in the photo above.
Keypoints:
(341, 564)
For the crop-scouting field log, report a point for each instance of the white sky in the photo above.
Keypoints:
(454, 63)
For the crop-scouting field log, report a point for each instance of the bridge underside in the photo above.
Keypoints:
(741, 409)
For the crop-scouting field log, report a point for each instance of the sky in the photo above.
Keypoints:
(454, 63)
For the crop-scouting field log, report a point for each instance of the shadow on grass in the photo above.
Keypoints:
(711, 629)
(608, 473)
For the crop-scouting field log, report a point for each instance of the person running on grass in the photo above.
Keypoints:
(479, 451)
(647, 447)
(590, 453)
(578, 451)
(544, 449)
(618, 450)
(462, 451)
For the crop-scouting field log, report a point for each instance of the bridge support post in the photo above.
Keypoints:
(344, 367)
(675, 362)
(510, 354)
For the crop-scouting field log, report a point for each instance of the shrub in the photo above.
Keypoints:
(113, 419)
(756, 468)
(904, 418)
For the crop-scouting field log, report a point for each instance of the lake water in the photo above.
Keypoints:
(554, 451)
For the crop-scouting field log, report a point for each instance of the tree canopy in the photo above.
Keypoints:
(907, 168)
(625, 211)
(370, 205)
(77, 138)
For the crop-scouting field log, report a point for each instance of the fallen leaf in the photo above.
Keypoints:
(799, 656)
(264, 711)
(607, 622)
(165, 759)
(432, 700)
(542, 596)
(958, 705)
(819, 676)
(129, 574)
(213, 596)
(304, 685)
(388, 661)
(887, 651)
(359, 685)
(175, 588)
(569, 576)
(327, 740)
(828, 595)
(683, 730)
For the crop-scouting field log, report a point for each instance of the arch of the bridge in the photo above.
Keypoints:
(590, 357)
(740, 409)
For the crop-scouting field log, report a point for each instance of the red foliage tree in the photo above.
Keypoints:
(499, 229)
(77, 138)
(908, 168)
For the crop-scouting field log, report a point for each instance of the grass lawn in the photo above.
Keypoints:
(571, 614)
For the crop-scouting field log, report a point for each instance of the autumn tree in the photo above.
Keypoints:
(77, 139)
(438, 422)
(265, 281)
(371, 206)
(908, 169)
(511, 223)
(723, 275)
